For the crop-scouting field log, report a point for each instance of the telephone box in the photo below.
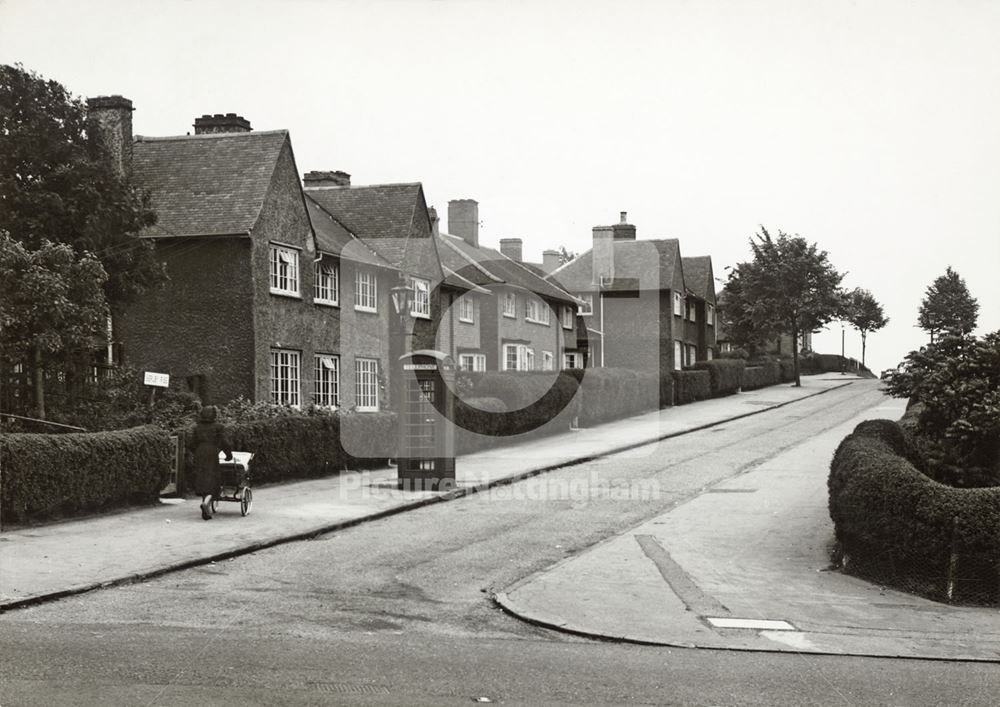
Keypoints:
(426, 460)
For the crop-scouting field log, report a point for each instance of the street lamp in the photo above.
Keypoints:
(401, 298)
(843, 361)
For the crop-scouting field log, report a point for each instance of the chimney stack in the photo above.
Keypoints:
(219, 123)
(624, 231)
(109, 127)
(551, 259)
(314, 180)
(604, 255)
(513, 248)
(432, 214)
(463, 220)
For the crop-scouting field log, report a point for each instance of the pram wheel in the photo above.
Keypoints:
(246, 501)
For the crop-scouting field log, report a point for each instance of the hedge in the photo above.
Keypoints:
(615, 393)
(725, 375)
(301, 446)
(533, 404)
(761, 375)
(46, 475)
(896, 525)
(691, 386)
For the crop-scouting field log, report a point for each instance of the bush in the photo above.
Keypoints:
(477, 425)
(305, 446)
(761, 375)
(899, 526)
(614, 393)
(691, 386)
(725, 375)
(957, 380)
(46, 475)
(533, 403)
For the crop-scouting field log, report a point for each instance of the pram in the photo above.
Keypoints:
(235, 481)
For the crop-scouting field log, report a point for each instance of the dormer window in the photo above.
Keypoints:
(328, 283)
(421, 304)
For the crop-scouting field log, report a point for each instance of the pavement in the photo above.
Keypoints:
(718, 556)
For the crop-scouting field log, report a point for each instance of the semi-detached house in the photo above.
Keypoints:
(642, 311)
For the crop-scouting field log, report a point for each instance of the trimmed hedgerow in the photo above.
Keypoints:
(614, 393)
(477, 425)
(301, 446)
(691, 386)
(896, 525)
(49, 476)
(725, 375)
(761, 375)
(534, 403)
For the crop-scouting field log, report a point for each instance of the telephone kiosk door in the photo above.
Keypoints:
(426, 460)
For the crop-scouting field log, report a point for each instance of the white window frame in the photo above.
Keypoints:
(678, 355)
(510, 304)
(548, 361)
(326, 380)
(567, 317)
(572, 359)
(678, 305)
(327, 283)
(587, 308)
(366, 392)
(536, 311)
(420, 304)
(505, 359)
(284, 270)
(529, 358)
(366, 290)
(709, 314)
(692, 310)
(475, 362)
(467, 309)
(286, 377)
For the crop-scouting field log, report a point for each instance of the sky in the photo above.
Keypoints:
(869, 128)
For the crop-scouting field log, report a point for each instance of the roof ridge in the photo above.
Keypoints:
(208, 136)
(367, 186)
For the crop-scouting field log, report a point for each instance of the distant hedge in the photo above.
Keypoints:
(306, 446)
(761, 375)
(898, 526)
(725, 375)
(615, 393)
(691, 386)
(46, 476)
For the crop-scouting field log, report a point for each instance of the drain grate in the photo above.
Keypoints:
(346, 688)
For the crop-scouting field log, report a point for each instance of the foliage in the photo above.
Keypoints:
(71, 474)
(957, 379)
(58, 185)
(789, 287)
(761, 375)
(948, 308)
(691, 386)
(864, 313)
(735, 316)
(725, 375)
(898, 526)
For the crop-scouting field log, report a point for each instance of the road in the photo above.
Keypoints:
(398, 611)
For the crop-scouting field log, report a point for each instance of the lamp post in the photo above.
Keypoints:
(843, 361)
(402, 296)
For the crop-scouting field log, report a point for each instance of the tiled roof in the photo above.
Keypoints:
(698, 276)
(386, 217)
(333, 238)
(486, 266)
(207, 184)
(645, 262)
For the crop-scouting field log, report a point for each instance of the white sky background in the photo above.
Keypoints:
(872, 129)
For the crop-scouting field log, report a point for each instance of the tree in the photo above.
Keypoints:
(51, 303)
(948, 308)
(565, 255)
(789, 287)
(736, 314)
(58, 185)
(864, 313)
(957, 382)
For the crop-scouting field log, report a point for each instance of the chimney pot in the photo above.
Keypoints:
(624, 217)
(432, 214)
(551, 259)
(623, 230)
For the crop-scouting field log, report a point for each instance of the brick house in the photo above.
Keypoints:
(514, 319)
(701, 310)
(252, 305)
(636, 301)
